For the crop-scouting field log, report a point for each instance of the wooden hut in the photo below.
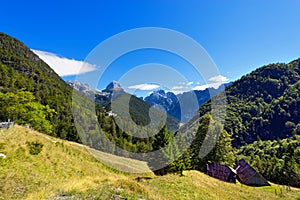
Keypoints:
(249, 176)
(221, 172)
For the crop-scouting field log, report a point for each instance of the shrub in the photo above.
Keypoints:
(35, 147)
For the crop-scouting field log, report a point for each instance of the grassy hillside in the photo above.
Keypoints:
(65, 170)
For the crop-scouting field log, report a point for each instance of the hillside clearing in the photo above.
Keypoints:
(66, 170)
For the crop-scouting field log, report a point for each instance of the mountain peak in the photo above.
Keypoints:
(114, 85)
(159, 92)
(113, 89)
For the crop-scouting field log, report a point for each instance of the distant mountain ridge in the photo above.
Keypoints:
(171, 102)
(167, 100)
(114, 91)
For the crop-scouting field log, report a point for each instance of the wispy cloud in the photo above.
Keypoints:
(182, 87)
(219, 79)
(177, 87)
(215, 82)
(144, 86)
(64, 66)
(190, 83)
(203, 87)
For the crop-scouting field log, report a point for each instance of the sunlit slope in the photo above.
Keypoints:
(66, 170)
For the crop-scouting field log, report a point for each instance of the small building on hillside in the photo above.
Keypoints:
(110, 114)
(221, 172)
(249, 176)
(7, 124)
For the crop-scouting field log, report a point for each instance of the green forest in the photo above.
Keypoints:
(263, 119)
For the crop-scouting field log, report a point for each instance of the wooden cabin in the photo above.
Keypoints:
(249, 176)
(221, 172)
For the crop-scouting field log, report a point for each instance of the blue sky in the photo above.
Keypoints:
(239, 35)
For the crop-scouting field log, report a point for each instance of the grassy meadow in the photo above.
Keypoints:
(67, 170)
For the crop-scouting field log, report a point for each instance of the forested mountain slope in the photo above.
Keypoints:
(263, 120)
(264, 104)
(22, 70)
(32, 93)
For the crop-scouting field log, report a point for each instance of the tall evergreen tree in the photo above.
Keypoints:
(160, 141)
(216, 143)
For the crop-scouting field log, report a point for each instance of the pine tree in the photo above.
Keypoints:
(161, 140)
(216, 143)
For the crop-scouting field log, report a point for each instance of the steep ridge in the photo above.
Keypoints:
(22, 70)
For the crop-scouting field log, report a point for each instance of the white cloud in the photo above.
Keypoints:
(190, 83)
(177, 91)
(200, 87)
(182, 87)
(219, 79)
(177, 87)
(65, 66)
(144, 86)
(215, 82)
(186, 83)
(209, 85)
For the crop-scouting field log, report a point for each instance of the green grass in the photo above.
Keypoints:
(66, 170)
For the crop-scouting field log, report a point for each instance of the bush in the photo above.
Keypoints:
(35, 147)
